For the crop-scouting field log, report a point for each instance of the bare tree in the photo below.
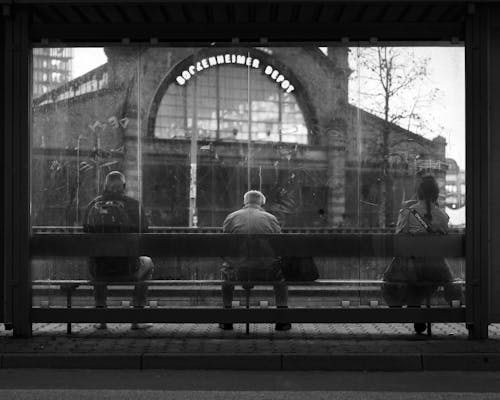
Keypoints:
(390, 82)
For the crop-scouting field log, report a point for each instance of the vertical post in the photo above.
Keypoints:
(280, 116)
(3, 81)
(217, 101)
(477, 170)
(17, 171)
(193, 217)
(249, 148)
(213, 204)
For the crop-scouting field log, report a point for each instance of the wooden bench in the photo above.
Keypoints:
(187, 288)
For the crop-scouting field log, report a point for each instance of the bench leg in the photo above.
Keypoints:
(429, 329)
(68, 305)
(247, 301)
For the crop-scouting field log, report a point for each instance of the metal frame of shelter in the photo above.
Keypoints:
(26, 23)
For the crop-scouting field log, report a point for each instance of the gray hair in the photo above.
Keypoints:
(254, 197)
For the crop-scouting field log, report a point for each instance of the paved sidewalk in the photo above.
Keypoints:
(204, 346)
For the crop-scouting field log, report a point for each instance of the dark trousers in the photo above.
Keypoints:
(252, 274)
(105, 270)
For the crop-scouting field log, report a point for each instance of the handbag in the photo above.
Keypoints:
(299, 269)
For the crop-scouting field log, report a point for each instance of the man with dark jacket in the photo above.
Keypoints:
(114, 212)
(262, 266)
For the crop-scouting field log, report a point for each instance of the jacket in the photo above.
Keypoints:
(408, 223)
(138, 222)
(252, 219)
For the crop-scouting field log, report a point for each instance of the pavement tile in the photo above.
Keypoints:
(323, 346)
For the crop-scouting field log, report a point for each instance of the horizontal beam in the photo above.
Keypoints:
(235, 2)
(219, 244)
(208, 282)
(249, 32)
(213, 315)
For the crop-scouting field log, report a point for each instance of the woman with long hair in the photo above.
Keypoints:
(426, 206)
(412, 281)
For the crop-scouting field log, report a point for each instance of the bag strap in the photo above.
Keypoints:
(421, 220)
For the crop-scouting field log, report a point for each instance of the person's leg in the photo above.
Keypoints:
(100, 294)
(227, 294)
(100, 288)
(95, 271)
(280, 293)
(144, 272)
(416, 297)
(228, 275)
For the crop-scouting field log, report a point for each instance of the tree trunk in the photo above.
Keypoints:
(384, 181)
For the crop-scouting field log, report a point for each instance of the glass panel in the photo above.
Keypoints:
(338, 140)
(85, 161)
(410, 146)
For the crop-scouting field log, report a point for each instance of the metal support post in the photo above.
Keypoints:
(17, 169)
(478, 172)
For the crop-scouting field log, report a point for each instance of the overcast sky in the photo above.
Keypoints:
(446, 71)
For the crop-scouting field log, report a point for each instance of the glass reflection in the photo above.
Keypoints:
(317, 130)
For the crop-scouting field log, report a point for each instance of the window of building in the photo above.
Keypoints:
(221, 107)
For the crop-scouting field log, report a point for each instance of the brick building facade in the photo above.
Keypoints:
(106, 120)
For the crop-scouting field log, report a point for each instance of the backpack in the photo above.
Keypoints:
(108, 216)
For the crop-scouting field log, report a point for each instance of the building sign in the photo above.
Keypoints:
(238, 59)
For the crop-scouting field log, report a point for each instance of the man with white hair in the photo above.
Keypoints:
(114, 212)
(264, 266)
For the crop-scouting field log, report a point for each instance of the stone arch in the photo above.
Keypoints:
(300, 94)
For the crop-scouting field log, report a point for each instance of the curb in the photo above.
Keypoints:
(461, 362)
(73, 360)
(353, 362)
(248, 361)
(212, 361)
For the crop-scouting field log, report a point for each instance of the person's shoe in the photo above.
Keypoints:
(419, 327)
(101, 325)
(226, 327)
(135, 326)
(283, 326)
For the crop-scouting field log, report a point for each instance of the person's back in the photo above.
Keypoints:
(408, 221)
(252, 220)
(413, 280)
(114, 212)
(262, 264)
